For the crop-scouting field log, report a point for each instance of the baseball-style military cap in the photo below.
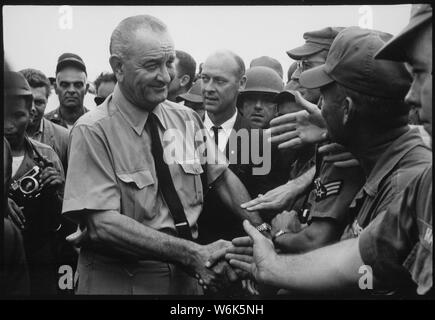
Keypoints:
(351, 62)
(265, 61)
(262, 79)
(315, 41)
(15, 84)
(393, 49)
(70, 59)
(194, 93)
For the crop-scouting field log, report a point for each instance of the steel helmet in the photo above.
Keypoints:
(262, 79)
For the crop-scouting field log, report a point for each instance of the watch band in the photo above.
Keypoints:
(264, 227)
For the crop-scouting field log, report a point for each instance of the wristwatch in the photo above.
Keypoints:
(264, 227)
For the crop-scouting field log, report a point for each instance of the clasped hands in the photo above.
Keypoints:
(252, 257)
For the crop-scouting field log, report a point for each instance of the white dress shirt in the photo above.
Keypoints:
(224, 133)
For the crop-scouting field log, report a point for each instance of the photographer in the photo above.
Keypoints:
(35, 194)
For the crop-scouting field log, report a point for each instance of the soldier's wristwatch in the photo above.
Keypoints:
(264, 227)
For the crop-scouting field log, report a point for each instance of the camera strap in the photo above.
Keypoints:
(38, 157)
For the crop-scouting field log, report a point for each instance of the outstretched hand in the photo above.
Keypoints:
(254, 254)
(296, 129)
(277, 199)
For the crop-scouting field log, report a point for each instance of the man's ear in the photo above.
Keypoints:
(348, 110)
(117, 67)
(55, 86)
(87, 87)
(242, 83)
(184, 80)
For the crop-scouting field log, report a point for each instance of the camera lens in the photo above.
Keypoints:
(29, 185)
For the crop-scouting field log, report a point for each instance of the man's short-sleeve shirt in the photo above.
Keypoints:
(333, 190)
(55, 116)
(56, 137)
(400, 238)
(406, 158)
(111, 166)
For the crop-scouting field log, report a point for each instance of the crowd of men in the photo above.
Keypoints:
(226, 182)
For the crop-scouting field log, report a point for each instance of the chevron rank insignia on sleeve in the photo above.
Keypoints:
(323, 191)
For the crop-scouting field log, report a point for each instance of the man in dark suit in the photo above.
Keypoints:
(223, 78)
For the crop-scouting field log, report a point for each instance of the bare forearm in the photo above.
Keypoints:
(332, 268)
(294, 243)
(123, 234)
(233, 193)
(316, 235)
(304, 180)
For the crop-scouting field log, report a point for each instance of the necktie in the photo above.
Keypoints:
(166, 185)
(216, 134)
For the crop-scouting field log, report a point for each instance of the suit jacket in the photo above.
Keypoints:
(216, 220)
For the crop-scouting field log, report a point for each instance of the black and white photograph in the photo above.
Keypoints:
(229, 153)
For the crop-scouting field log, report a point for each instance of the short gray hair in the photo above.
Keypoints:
(123, 35)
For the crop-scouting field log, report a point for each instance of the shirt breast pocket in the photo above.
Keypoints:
(193, 184)
(137, 192)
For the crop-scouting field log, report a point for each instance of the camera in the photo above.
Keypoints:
(28, 186)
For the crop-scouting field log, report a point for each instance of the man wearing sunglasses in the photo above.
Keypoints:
(311, 54)
(104, 85)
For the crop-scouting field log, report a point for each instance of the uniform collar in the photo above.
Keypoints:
(135, 116)
(56, 116)
(390, 158)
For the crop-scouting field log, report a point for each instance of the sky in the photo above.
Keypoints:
(35, 36)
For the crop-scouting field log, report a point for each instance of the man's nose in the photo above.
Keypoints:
(33, 109)
(208, 86)
(413, 97)
(71, 89)
(296, 75)
(8, 125)
(164, 75)
(258, 104)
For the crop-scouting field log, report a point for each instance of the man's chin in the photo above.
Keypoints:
(70, 105)
(211, 107)
(257, 123)
(35, 121)
(428, 128)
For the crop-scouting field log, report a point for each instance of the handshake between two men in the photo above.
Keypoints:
(222, 264)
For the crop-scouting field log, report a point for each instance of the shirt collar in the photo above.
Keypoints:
(56, 117)
(389, 159)
(226, 126)
(136, 117)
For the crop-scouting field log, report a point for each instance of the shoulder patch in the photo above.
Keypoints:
(323, 191)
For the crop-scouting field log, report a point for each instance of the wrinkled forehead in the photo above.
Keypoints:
(153, 45)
